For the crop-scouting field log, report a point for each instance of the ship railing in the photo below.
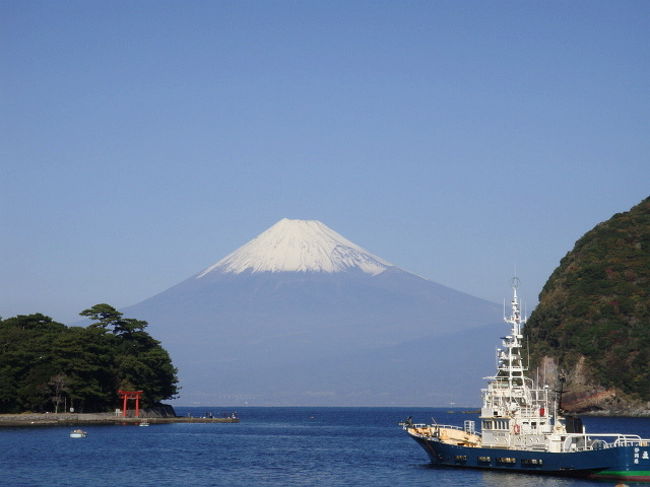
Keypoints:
(632, 440)
(527, 411)
(435, 427)
(585, 441)
(449, 426)
(432, 426)
(407, 425)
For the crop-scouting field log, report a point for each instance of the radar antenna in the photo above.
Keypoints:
(515, 282)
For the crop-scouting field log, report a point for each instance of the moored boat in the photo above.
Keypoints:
(78, 434)
(522, 429)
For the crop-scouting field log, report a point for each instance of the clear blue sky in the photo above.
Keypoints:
(144, 140)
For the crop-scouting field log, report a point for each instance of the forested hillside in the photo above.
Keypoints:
(46, 366)
(593, 318)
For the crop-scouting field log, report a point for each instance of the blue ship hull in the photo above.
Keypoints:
(623, 462)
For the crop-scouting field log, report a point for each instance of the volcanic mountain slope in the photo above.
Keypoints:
(301, 315)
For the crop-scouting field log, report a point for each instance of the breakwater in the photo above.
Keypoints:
(54, 419)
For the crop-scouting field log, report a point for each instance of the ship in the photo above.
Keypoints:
(524, 429)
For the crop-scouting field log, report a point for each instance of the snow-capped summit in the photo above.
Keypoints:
(299, 246)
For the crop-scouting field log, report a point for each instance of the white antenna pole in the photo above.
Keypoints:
(525, 315)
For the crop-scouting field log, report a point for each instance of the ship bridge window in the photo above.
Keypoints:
(496, 424)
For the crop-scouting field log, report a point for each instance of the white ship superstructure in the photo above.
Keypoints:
(515, 412)
(522, 430)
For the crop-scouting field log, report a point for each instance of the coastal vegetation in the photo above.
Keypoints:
(595, 308)
(48, 366)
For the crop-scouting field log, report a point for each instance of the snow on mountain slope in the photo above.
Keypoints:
(299, 246)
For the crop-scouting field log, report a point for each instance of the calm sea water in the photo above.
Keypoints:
(270, 447)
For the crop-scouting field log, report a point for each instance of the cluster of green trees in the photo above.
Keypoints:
(596, 304)
(48, 366)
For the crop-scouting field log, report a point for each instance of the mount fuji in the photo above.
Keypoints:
(300, 315)
(299, 246)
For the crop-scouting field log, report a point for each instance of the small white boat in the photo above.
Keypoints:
(78, 434)
(144, 423)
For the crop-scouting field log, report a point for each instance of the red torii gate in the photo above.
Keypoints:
(126, 395)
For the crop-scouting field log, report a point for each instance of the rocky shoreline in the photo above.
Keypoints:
(584, 396)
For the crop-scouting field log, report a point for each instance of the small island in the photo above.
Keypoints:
(57, 374)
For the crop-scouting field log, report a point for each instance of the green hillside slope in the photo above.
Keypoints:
(594, 313)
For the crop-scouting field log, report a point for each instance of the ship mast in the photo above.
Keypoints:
(512, 365)
(508, 391)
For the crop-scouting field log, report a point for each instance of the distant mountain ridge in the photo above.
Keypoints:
(272, 322)
(592, 324)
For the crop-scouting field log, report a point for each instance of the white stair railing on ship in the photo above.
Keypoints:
(583, 442)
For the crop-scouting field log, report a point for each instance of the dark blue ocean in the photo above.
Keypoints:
(270, 447)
